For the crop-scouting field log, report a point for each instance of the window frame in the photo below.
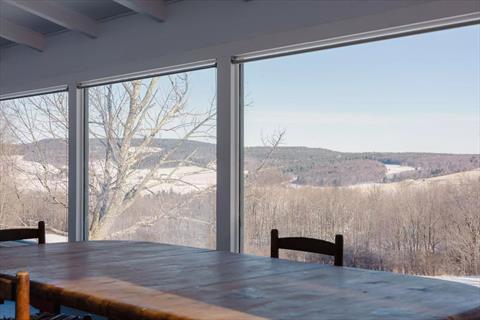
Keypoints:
(229, 85)
(71, 174)
(351, 40)
(81, 217)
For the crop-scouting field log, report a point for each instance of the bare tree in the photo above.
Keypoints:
(126, 119)
(29, 123)
(5, 174)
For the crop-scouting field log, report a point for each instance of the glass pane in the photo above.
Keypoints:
(34, 163)
(152, 159)
(379, 142)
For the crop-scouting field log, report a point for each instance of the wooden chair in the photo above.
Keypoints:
(308, 245)
(22, 302)
(24, 233)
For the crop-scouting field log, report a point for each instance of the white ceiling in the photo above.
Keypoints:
(210, 30)
(14, 12)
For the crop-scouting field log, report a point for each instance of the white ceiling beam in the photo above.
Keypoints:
(21, 35)
(153, 8)
(54, 12)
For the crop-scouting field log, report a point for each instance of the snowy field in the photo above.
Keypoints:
(183, 180)
(55, 238)
(393, 169)
(450, 179)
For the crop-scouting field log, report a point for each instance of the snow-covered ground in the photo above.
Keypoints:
(183, 180)
(393, 169)
(55, 238)
(28, 173)
(450, 179)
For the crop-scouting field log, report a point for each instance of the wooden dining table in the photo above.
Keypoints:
(144, 280)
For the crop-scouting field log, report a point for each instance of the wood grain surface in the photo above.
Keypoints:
(142, 280)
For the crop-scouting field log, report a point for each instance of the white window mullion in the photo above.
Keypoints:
(228, 148)
(76, 163)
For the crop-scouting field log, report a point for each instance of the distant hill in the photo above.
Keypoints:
(303, 166)
(323, 167)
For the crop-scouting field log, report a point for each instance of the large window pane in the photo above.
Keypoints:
(33, 163)
(379, 142)
(152, 159)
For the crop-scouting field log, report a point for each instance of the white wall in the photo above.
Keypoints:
(201, 29)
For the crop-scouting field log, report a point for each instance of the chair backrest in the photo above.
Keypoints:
(24, 233)
(308, 245)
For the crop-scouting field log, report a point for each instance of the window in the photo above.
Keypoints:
(34, 163)
(152, 159)
(378, 142)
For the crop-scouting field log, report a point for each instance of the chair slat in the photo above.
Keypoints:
(18, 234)
(308, 245)
(24, 233)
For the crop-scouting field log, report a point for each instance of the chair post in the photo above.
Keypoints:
(338, 250)
(41, 232)
(274, 243)
(22, 305)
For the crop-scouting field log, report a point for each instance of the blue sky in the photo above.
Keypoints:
(416, 93)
